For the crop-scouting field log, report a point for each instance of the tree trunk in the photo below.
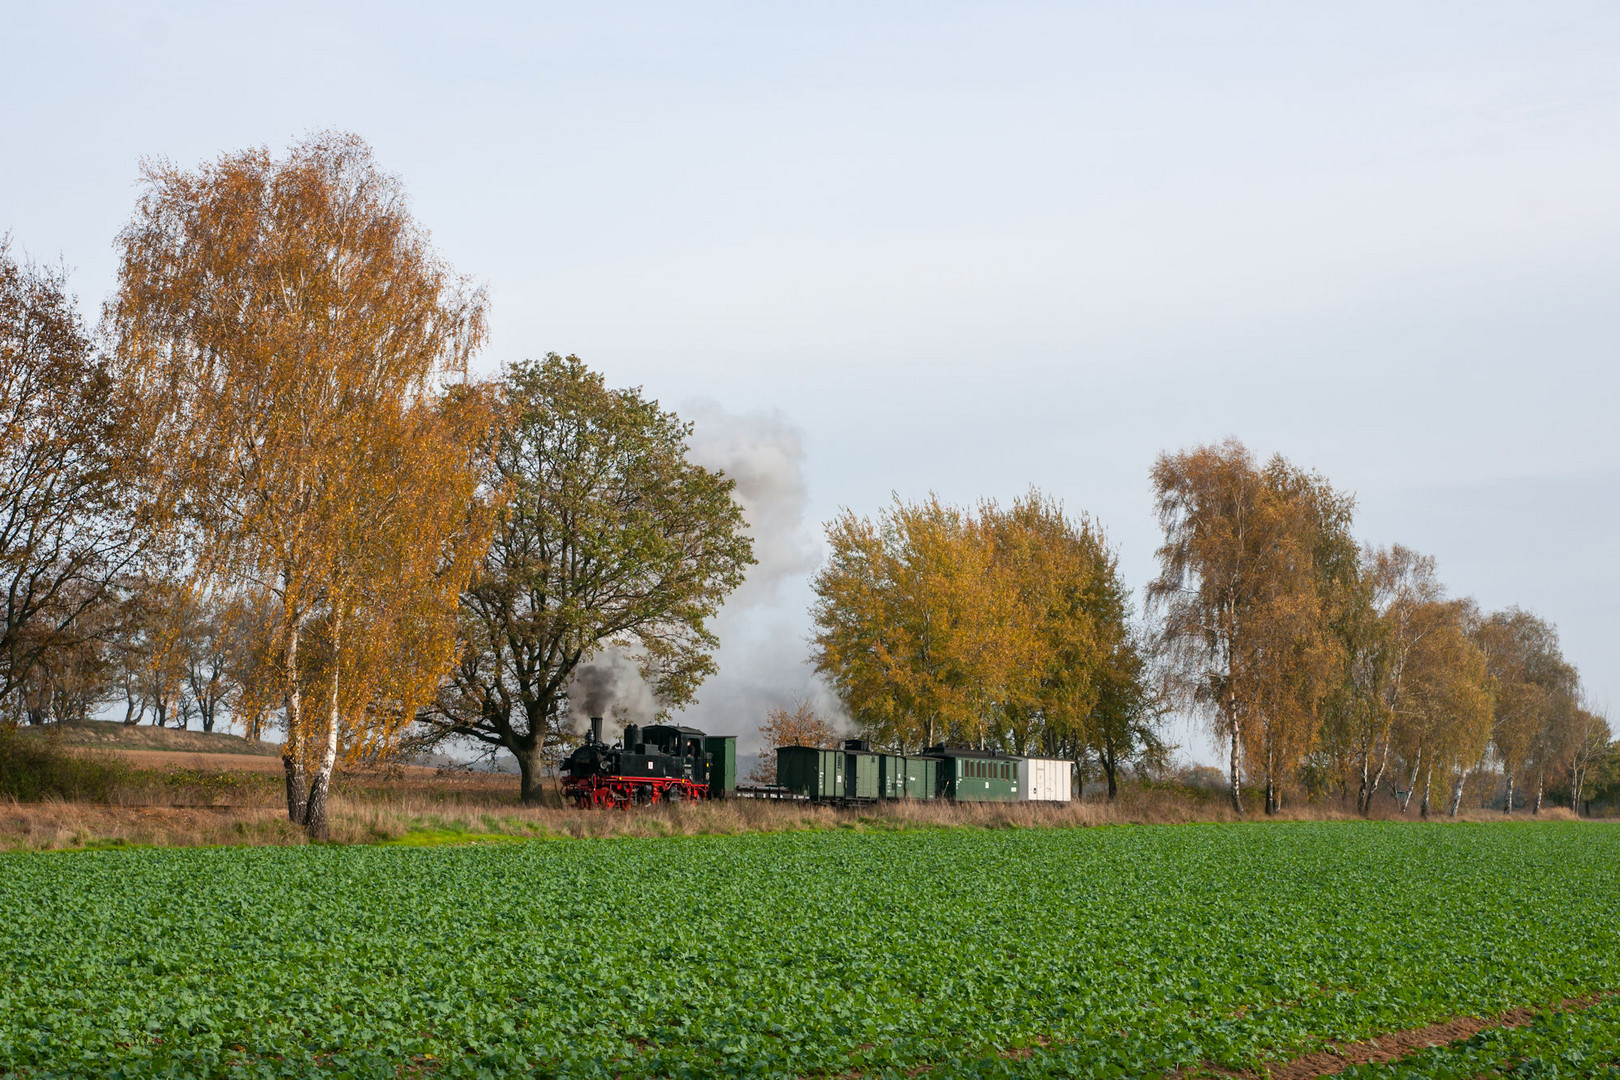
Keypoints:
(1110, 764)
(1237, 786)
(1411, 784)
(531, 763)
(1507, 807)
(134, 709)
(292, 761)
(1457, 794)
(315, 820)
(1428, 782)
(1363, 796)
(1378, 778)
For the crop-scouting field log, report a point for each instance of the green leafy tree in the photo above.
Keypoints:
(610, 536)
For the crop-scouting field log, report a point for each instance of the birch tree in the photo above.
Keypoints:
(1240, 595)
(272, 317)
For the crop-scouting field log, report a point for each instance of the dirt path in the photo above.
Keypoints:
(1399, 1044)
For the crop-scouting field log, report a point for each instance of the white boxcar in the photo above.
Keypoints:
(1046, 779)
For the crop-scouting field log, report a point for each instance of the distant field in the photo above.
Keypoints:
(108, 735)
(1033, 952)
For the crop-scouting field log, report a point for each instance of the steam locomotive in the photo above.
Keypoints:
(653, 764)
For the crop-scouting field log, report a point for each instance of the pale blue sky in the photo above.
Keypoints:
(973, 247)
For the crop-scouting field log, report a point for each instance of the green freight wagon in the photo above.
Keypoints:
(976, 775)
(902, 777)
(892, 776)
(722, 751)
(861, 770)
(922, 777)
(812, 772)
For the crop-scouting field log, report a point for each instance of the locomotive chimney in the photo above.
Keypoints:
(596, 731)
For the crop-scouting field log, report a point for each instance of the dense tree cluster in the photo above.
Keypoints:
(1327, 669)
(279, 496)
(1332, 669)
(1006, 627)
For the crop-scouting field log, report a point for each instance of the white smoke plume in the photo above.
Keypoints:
(764, 626)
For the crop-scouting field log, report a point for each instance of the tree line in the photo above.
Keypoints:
(268, 485)
(1327, 669)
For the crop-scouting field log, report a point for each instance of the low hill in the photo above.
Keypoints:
(111, 735)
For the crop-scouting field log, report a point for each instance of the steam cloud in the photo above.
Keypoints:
(764, 656)
(610, 685)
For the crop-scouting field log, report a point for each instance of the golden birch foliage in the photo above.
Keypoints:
(274, 317)
(1442, 720)
(916, 624)
(1061, 571)
(1241, 597)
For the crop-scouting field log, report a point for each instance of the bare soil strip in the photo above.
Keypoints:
(1398, 1044)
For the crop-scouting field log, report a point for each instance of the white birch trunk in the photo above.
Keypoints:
(292, 760)
(315, 819)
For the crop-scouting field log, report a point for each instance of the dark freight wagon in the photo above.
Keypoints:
(855, 774)
(811, 772)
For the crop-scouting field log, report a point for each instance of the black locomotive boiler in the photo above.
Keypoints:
(652, 764)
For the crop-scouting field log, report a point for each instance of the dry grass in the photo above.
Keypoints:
(379, 808)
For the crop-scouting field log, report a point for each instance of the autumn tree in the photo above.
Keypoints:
(919, 627)
(286, 330)
(253, 671)
(1004, 627)
(1441, 719)
(801, 725)
(207, 661)
(1089, 692)
(1535, 691)
(1242, 590)
(609, 537)
(71, 511)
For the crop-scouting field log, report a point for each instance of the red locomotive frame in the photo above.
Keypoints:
(623, 792)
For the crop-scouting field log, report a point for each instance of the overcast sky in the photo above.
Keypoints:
(971, 248)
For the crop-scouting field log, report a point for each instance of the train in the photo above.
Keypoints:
(857, 773)
(654, 764)
(663, 763)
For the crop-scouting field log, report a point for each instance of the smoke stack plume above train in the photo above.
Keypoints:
(609, 687)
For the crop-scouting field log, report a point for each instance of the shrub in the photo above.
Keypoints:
(35, 769)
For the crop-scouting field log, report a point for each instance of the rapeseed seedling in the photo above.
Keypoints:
(1066, 952)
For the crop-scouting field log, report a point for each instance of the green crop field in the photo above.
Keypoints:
(1103, 952)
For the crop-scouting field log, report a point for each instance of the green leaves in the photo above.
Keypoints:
(1101, 952)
